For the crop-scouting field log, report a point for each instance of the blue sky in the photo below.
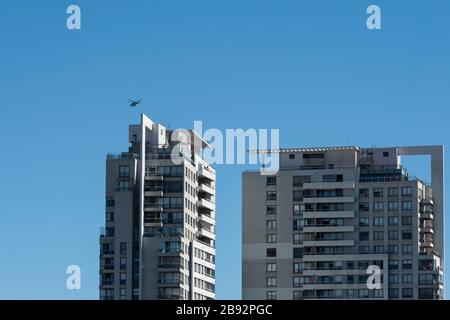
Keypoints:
(310, 68)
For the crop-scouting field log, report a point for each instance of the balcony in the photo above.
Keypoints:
(206, 204)
(329, 243)
(206, 173)
(328, 228)
(329, 185)
(207, 219)
(428, 229)
(328, 214)
(171, 281)
(206, 233)
(171, 265)
(329, 199)
(167, 251)
(205, 188)
(170, 297)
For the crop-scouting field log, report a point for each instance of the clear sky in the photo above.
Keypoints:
(310, 68)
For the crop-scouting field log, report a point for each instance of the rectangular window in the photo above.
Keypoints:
(271, 196)
(298, 238)
(406, 205)
(123, 248)
(364, 236)
(393, 235)
(271, 224)
(363, 221)
(363, 193)
(271, 267)
(378, 221)
(271, 295)
(392, 221)
(393, 192)
(378, 206)
(407, 278)
(298, 224)
(407, 248)
(393, 249)
(393, 264)
(393, 293)
(110, 202)
(271, 281)
(406, 221)
(378, 249)
(364, 249)
(123, 278)
(297, 196)
(407, 292)
(123, 293)
(110, 216)
(298, 209)
(298, 181)
(407, 264)
(271, 210)
(406, 191)
(297, 253)
(378, 192)
(124, 171)
(271, 238)
(313, 156)
(271, 181)
(407, 235)
(393, 206)
(271, 252)
(363, 206)
(378, 235)
(393, 278)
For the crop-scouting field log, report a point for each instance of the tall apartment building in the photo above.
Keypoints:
(159, 235)
(312, 230)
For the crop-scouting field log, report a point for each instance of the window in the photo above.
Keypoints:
(271, 238)
(109, 232)
(123, 278)
(123, 263)
(363, 221)
(110, 202)
(407, 292)
(364, 249)
(313, 156)
(297, 196)
(407, 278)
(393, 293)
(297, 268)
(363, 206)
(393, 206)
(124, 185)
(298, 181)
(271, 267)
(378, 221)
(363, 193)
(406, 205)
(124, 171)
(393, 264)
(110, 216)
(271, 181)
(406, 191)
(393, 235)
(378, 235)
(393, 278)
(378, 192)
(393, 249)
(271, 252)
(426, 278)
(407, 248)
(378, 249)
(407, 264)
(297, 253)
(123, 248)
(385, 154)
(271, 224)
(271, 281)
(292, 156)
(378, 206)
(407, 221)
(426, 293)
(298, 209)
(332, 178)
(271, 295)
(392, 192)
(363, 293)
(364, 236)
(123, 293)
(392, 221)
(407, 235)
(298, 238)
(298, 224)
(297, 295)
(271, 210)
(271, 195)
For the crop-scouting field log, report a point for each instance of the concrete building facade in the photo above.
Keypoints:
(159, 235)
(315, 228)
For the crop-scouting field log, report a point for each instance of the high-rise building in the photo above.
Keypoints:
(159, 235)
(330, 219)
